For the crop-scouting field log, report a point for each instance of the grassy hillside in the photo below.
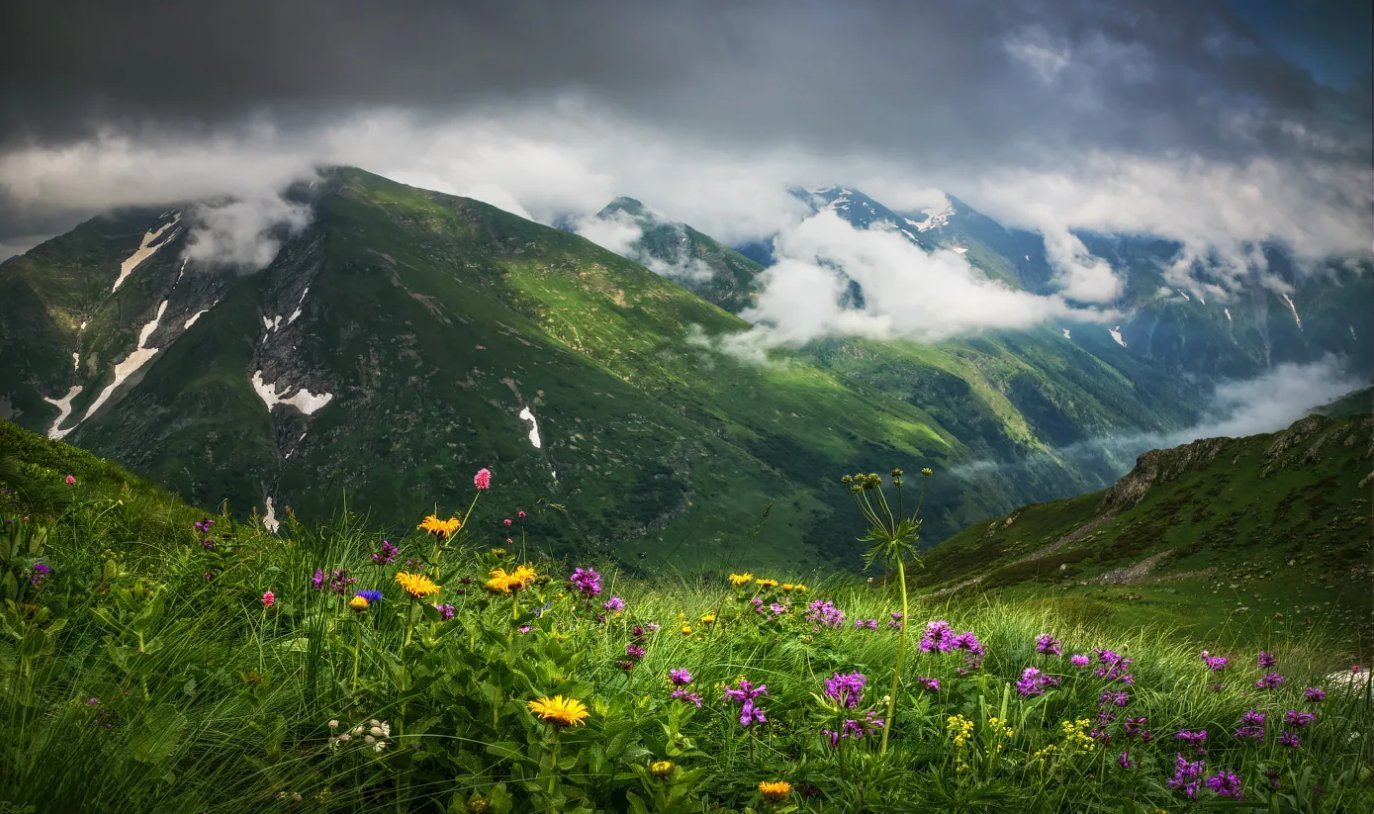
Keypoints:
(157, 660)
(1268, 532)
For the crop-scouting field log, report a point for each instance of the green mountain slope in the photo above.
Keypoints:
(1268, 529)
(394, 344)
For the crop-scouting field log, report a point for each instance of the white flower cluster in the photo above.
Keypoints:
(373, 735)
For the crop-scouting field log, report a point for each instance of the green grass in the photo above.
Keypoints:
(146, 675)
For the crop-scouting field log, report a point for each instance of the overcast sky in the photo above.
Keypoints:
(1209, 121)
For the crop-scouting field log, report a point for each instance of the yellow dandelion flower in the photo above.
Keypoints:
(800, 588)
(525, 574)
(775, 791)
(440, 528)
(418, 586)
(358, 603)
(686, 629)
(741, 579)
(559, 711)
(662, 769)
(766, 583)
(708, 619)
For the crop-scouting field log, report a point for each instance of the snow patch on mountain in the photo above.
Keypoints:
(1293, 308)
(303, 400)
(527, 415)
(1067, 335)
(147, 248)
(64, 409)
(935, 218)
(1116, 335)
(197, 315)
(131, 364)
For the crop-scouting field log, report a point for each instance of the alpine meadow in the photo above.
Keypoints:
(686, 407)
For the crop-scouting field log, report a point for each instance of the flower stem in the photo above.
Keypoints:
(901, 653)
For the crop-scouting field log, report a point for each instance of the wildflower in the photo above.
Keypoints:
(268, 599)
(506, 522)
(1135, 728)
(1299, 719)
(766, 583)
(634, 651)
(848, 689)
(1112, 666)
(686, 629)
(745, 693)
(871, 624)
(662, 769)
(1290, 739)
(358, 603)
(1048, 645)
(1226, 784)
(853, 728)
(738, 580)
(1124, 760)
(1079, 660)
(520, 514)
(336, 580)
(503, 582)
(615, 604)
(587, 581)
(41, 572)
(317, 581)
(443, 529)
(482, 480)
(824, 613)
(1213, 663)
(960, 729)
(1270, 681)
(1252, 725)
(523, 629)
(708, 619)
(446, 611)
(938, 636)
(557, 710)
(687, 697)
(1314, 694)
(418, 586)
(71, 480)
(775, 791)
(798, 587)
(679, 677)
(1196, 739)
(203, 525)
(1266, 659)
(1187, 774)
(932, 684)
(1033, 682)
(897, 622)
(371, 595)
(386, 555)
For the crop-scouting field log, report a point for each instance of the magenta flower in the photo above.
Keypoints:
(268, 599)
(1271, 681)
(386, 555)
(203, 525)
(1033, 682)
(1290, 739)
(1314, 694)
(686, 697)
(1047, 644)
(1266, 659)
(446, 611)
(615, 604)
(824, 613)
(71, 480)
(680, 677)
(482, 480)
(586, 581)
(1079, 660)
(507, 521)
(932, 684)
(1187, 775)
(1299, 719)
(1213, 662)
(1226, 784)
(634, 651)
(848, 688)
(1124, 760)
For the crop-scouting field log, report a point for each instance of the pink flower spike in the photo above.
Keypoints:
(520, 514)
(71, 480)
(268, 599)
(506, 521)
(482, 480)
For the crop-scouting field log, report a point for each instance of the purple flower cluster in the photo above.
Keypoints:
(1124, 761)
(336, 580)
(1270, 681)
(861, 624)
(898, 620)
(1112, 666)
(1119, 698)
(203, 525)
(1314, 694)
(932, 684)
(745, 694)
(634, 651)
(1033, 682)
(824, 614)
(847, 688)
(1197, 739)
(446, 611)
(1213, 663)
(680, 679)
(854, 728)
(1225, 784)
(1079, 660)
(1289, 739)
(939, 637)
(1299, 719)
(586, 581)
(1135, 728)
(385, 555)
(1048, 645)
(371, 595)
(1251, 726)
(40, 574)
(614, 605)
(770, 611)
(1265, 660)
(1187, 775)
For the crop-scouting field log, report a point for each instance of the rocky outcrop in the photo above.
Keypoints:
(1160, 466)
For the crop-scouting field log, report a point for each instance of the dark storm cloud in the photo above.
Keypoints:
(956, 80)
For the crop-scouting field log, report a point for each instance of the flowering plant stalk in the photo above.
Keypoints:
(892, 539)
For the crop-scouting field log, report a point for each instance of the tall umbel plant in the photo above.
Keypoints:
(891, 539)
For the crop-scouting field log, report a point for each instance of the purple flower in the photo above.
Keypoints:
(1290, 739)
(1252, 725)
(750, 714)
(679, 677)
(1186, 775)
(1314, 694)
(1271, 681)
(848, 689)
(523, 629)
(825, 614)
(1120, 698)
(745, 691)
(587, 581)
(1124, 760)
(40, 575)
(686, 697)
(1213, 662)
(932, 684)
(968, 641)
(1135, 728)
(1195, 739)
(1266, 659)
(386, 555)
(615, 604)
(1047, 644)
(317, 581)
(203, 525)
(854, 728)
(1079, 660)
(871, 624)
(446, 611)
(1225, 784)
(1112, 666)
(897, 620)
(1033, 682)
(634, 651)
(1299, 719)
(938, 637)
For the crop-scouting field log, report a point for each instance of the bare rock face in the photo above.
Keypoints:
(1160, 466)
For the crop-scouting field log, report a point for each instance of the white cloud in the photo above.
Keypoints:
(244, 233)
(1079, 274)
(618, 232)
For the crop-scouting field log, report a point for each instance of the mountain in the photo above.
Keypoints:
(1272, 529)
(394, 340)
